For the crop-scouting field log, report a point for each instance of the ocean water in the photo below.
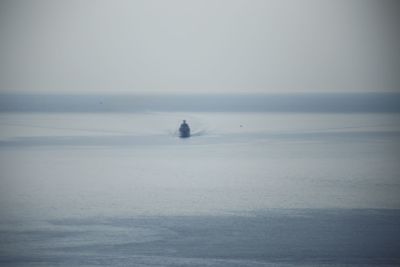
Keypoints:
(248, 189)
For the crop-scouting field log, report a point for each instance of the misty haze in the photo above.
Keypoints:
(199, 133)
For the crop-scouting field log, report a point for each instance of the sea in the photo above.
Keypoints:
(247, 189)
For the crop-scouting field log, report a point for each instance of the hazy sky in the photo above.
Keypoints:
(199, 46)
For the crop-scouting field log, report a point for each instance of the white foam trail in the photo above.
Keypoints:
(175, 133)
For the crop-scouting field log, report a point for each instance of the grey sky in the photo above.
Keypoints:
(198, 46)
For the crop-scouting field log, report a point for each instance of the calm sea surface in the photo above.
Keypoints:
(248, 189)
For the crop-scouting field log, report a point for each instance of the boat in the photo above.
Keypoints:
(184, 130)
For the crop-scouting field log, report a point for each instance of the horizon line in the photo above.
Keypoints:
(317, 102)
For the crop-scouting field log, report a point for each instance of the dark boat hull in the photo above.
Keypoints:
(184, 130)
(184, 134)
